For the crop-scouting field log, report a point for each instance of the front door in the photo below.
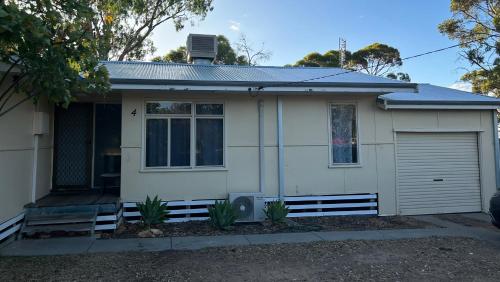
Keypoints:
(73, 146)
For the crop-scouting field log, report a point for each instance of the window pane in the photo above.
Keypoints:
(209, 109)
(163, 107)
(209, 142)
(180, 138)
(156, 142)
(344, 134)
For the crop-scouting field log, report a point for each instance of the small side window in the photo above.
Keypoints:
(344, 134)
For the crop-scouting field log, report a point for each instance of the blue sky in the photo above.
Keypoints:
(293, 28)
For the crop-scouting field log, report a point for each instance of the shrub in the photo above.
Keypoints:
(276, 211)
(222, 215)
(152, 211)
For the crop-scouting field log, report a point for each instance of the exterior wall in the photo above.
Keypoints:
(241, 156)
(306, 138)
(16, 159)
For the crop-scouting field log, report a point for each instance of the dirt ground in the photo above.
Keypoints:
(409, 260)
(466, 221)
(332, 223)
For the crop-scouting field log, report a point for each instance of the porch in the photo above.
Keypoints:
(74, 211)
(105, 201)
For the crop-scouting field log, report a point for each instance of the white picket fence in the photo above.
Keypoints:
(10, 227)
(299, 206)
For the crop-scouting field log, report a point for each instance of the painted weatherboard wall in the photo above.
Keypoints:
(306, 149)
(16, 158)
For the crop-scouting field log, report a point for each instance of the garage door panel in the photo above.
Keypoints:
(443, 173)
(449, 195)
(430, 189)
(424, 157)
(461, 181)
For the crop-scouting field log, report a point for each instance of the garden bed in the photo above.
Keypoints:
(306, 224)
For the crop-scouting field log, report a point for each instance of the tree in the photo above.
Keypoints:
(48, 50)
(476, 25)
(400, 76)
(123, 27)
(225, 54)
(375, 59)
(328, 59)
(178, 55)
(253, 56)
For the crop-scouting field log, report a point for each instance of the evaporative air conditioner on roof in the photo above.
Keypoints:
(201, 48)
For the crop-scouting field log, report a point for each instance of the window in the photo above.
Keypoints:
(170, 140)
(344, 134)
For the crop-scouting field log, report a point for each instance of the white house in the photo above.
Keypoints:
(197, 132)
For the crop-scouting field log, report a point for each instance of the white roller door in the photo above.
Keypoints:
(438, 173)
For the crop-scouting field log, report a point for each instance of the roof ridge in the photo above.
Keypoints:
(213, 65)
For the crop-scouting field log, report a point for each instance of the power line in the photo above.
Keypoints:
(402, 59)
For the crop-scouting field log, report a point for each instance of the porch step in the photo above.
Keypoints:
(60, 218)
(38, 220)
(77, 227)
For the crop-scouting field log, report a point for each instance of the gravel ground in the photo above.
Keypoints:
(410, 260)
(332, 223)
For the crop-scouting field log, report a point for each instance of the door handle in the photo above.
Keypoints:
(437, 179)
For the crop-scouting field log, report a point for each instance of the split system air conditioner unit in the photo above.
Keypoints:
(249, 207)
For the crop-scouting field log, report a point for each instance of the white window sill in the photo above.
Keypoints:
(345, 166)
(187, 169)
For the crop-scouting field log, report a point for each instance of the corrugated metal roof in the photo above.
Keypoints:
(147, 72)
(431, 94)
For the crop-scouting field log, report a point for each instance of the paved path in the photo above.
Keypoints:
(81, 245)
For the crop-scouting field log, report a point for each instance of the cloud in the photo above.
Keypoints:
(464, 86)
(234, 25)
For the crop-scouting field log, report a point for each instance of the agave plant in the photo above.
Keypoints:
(222, 215)
(152, 211)
(276, 211)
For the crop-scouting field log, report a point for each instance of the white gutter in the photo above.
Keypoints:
(270, 89)
(262, 178)
(496, 146)
(387, 106)
(281, 157)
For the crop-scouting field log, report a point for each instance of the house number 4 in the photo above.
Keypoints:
(134, 112)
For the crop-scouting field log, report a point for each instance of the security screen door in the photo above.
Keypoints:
(73, 146)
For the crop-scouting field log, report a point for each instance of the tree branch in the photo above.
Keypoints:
(9, 70)
(14, 106)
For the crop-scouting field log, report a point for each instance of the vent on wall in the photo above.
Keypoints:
(201, 48)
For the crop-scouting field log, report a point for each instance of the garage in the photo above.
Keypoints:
(438, 173)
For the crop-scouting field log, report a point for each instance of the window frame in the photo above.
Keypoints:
(331, 164)
(192, 118)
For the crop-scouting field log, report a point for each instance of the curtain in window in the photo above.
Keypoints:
(344, 146)
(180, 138)
(156, 142)
(209, 142)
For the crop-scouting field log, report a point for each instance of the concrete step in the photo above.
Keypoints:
(59, 218)
(76, 227)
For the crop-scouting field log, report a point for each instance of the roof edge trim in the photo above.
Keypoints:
(434, 105)
(263, 84)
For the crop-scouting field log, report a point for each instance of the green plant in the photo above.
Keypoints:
(152, 211)
(222, 215)
(276, 211)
